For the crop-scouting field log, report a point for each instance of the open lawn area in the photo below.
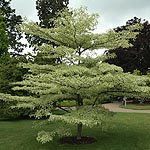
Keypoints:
(131, 131)
(136, 106)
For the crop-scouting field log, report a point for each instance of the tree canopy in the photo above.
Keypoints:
(137, 56)
(78, 75)
(11, 20)
(47, 10)
(9, 71)
(3, 37)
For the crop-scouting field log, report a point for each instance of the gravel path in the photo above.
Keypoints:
(115, 108)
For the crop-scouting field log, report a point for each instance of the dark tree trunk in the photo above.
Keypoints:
(79, 125)
(79, 131)
(79, 100)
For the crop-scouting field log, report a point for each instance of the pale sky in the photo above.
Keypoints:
(112, 13)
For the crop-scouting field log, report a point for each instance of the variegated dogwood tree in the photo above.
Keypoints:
(78, 75)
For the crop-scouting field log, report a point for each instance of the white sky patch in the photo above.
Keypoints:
(25, 8)
(75, 3)
(112, 13)
(93, 53)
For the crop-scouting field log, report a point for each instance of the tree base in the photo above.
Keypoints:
(73, 140)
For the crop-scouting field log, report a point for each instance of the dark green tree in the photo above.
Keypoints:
(3, 37)
(11, 20)
(9, 72)
(47, 10)
(137, 56)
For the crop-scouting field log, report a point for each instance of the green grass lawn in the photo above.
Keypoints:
(130, 131)
(136, 107)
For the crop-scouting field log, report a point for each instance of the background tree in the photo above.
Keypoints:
(79, 76)
(9, 71)
(3, 37)
(137, 56)
(47, 10)
(11, 20)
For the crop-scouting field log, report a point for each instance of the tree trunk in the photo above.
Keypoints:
(79, 100)
(79, 126)
(79, 131)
